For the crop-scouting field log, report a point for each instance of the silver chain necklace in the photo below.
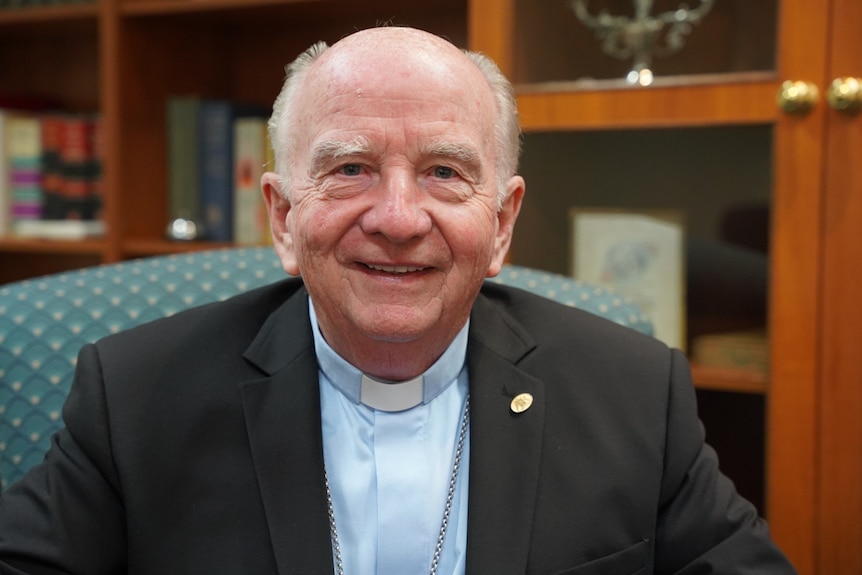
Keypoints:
(450, 496)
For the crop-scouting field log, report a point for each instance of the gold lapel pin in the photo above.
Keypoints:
(521, 402)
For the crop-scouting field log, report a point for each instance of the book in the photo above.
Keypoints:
(249, 158)
(96, 164)
(5, 184)
(77, 163)
(23, 147)
(215, 165)
(748, 349)
(182, 160)
(54, 203)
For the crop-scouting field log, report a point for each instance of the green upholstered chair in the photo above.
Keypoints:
(45, 321)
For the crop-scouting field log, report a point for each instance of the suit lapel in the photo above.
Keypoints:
(282, 414)
(505, 447)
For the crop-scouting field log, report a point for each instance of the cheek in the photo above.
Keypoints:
(318, 226)
(471, 237)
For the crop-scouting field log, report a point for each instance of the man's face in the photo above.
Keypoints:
(392, 217)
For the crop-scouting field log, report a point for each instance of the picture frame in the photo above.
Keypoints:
(640, 255)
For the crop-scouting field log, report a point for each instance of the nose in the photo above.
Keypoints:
(398, 212)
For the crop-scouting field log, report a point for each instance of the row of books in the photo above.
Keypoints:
(217, 150)
(50, 174)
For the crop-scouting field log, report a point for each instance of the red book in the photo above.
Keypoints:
(52, 168)
(75, 153)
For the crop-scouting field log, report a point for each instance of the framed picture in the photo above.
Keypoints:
(639, 254)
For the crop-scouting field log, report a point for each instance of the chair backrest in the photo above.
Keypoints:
(45, 321)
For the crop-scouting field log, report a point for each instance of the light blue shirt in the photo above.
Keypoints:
(389, 473)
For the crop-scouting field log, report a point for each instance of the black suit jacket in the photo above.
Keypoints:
(193, 445)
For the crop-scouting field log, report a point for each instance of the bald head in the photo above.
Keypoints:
(389, 58)
(398, 42)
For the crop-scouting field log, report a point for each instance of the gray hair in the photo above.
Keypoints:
(284, 109)
(506, 127)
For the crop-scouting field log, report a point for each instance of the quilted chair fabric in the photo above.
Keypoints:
(45, 321)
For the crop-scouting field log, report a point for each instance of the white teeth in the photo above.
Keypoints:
(394, 269)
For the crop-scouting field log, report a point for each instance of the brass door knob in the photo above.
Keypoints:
(797, 97)
(845, 94)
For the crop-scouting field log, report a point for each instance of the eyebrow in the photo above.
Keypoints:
(328, 150)
(457, 151)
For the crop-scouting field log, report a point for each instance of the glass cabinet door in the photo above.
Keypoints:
(730, 131)
(640, 41)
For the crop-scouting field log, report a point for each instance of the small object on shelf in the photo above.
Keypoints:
(639, 255)
(183, 229)
(643, 36)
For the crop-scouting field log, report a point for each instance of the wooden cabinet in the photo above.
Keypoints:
(714, 136)
(705, 137)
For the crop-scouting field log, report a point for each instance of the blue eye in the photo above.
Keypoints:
(351, 169)
(444, 172)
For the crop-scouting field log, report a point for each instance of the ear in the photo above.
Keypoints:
(278, 207)
(506, 217)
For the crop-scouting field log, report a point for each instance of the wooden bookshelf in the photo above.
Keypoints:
(123, 58)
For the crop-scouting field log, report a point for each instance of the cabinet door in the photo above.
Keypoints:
(706, 138)
(792, 485)
(839, 539)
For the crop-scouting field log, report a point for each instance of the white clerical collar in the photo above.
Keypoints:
(387, 395)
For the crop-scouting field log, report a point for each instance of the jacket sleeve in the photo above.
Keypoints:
(704, 525)
(66, 515)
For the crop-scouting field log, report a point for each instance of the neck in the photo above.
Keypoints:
(393, 361)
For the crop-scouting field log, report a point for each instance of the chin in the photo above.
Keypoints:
(388, 333)
(399, 327)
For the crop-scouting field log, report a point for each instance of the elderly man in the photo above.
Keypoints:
(387, 413)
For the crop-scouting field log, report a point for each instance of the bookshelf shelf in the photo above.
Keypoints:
(731, 380)
(40, 246)
(47, 15)
(737, 99)
(162, 7)
(142, 247)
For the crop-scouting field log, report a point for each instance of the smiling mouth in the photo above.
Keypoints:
(394, 269)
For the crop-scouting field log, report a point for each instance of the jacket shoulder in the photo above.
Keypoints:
(242, 313)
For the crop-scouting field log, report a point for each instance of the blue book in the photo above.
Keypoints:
(215, 163)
